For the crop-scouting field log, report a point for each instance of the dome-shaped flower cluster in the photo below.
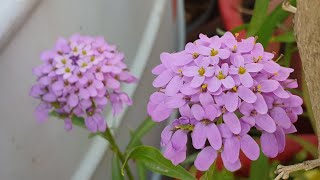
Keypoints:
(77, 79)
(222, 88)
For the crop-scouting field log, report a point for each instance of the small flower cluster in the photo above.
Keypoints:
(77, 79)
(222, 88)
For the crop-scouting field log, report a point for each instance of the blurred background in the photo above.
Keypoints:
(142, 29)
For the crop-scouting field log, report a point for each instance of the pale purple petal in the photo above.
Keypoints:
(269, 145)
(198, 136)
(214, 84)
(163, 78)
(232, 122)
(174, 85)
(231, 149)
(231, 101)
(265, 122)
(246, 94)
(249, 147)
(260, 105)
(268, 85)
(205, 158)
(246, 79)
(214, 136)
(228, 82)
(281, 139)
(179, 140)
(253, 67)
(197, 112)
(197, 81)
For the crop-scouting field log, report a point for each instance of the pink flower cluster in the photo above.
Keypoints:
(77, 79)
(222, 88)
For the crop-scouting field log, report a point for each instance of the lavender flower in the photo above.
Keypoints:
(222, 88)
(78, 78)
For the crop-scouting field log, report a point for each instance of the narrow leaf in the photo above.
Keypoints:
(287, 37)
(277, 16)
(116, 169)
(208, 175)
(154, 161)
(239, 28)
(144, 127)
(260, 168)
(142, 172)
(258, 16)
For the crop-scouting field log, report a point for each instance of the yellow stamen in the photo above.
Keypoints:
(220, 75)
(214, 52)
(201, 71)
(236, 34)
(235, 89)
(84, 52)
(234, 49)
(204, 87)
(195, 55)
(259, 88)
(67, 70)
(75, 49)
(84, 64)
(92, 58)
(242, 70)
(63, 61)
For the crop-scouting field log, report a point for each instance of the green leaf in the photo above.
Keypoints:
(287, 37)
(258, 16)
(309, 147)
(142, 172)
(79, 121)
(260, 168)
(288, 51)
(190, 159)
(277, 16)
(223, 175)
(239, 28)
(144, 127)
(154, 161)
(116, 169)
(208, 175)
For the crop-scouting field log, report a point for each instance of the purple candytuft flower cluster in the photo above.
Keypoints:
(77, 79)
(222, 88)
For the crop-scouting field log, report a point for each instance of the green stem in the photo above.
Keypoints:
(114, 147)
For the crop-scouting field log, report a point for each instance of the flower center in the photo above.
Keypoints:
(213, 52)
(187, 127)
(84, 64)
(242, 70)
(84, 52)
(195, 55)
(201, 71)
(234, 49)
(75, 49)
(220, 75)
(235, 89)
(67, 70)
(63, 61)
(92, 58)
(204, 87)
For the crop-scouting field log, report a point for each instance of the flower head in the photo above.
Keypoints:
(222, 88)
(78, 78)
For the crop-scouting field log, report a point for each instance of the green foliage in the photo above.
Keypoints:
(287, 37)
(258, 16)
(276, 17)
(116, 169)
(208, 175)
(144, 127)
(154, 161)
(260, 168)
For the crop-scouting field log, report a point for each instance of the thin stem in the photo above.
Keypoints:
(114, 147)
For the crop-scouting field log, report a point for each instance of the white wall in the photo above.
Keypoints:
(32, 151)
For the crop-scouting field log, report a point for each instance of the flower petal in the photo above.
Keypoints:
(246, 79)
(174, 85)
(228, 82)
(205, 158)
(163, 78)
(231, 101)
(249, 147)
(269, 144)
(232, 122)
(265, 122)
(268, 85)
(179, 140)
(246, 94)
(231, 149)
(197, 81)
(214, 136)
(197, 111)
(214, 84)
(198, 136)
(280, 116)
(260, 105)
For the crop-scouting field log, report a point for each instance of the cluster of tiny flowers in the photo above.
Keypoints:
(77, 79)
(222, 88)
